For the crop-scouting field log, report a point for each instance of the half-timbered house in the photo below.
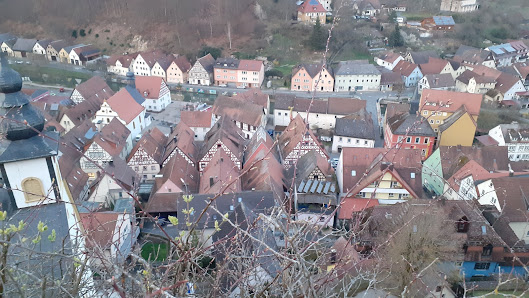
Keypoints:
(147, 155)
(155, 91)
(107, 144)
(116, 182)
(246, 115)
(220, 175)
(95, 89)
(180, 142)
(296, 141)
(225, 136)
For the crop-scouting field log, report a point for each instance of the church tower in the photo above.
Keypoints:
(28, 155)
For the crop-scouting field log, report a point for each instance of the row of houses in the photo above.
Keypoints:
(58, 50)
(175, 69)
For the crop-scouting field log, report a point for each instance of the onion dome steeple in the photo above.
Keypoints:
(21, 119)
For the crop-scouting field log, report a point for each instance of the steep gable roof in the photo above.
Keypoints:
(306, 164)
(443, 80)
(433, 66)
(24, 45)
(255, 96)
(226, 131)
(221, 172)
(182, 63)
(125, 106)
(448, 122)
(405, 68)
(238, 110)
(95, 89)
(312, 69)
(181, 137)
(422, 57)
(113, 137)
(207, 62)
(293, 135)
(150, 87)
(359, 125)
(153, 143)
(151, 57)
(58, 45)
(369, 164)
(177, 172)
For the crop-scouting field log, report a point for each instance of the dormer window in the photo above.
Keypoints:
(462, 225)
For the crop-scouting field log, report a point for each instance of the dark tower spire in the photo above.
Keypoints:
(21, 119)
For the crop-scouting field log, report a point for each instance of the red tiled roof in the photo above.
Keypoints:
(348, 206)
(487, 140)
(124, 104)
(345, 106)
(153, 143)
(222, 171)
(255, 96)
(405, 68)
(250, 65)
(450, 101)
(182, 137)
(310, 6)
(149, 85)
(95, 89)
(196, 118)
(434, 66)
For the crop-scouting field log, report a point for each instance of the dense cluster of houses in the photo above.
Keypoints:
(53, 50)
(175, 69)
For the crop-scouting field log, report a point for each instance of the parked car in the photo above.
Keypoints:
(61, 90)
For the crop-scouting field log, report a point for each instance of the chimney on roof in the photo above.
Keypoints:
(436, 81)
(145, 93)
(131, 80)
(111, 163)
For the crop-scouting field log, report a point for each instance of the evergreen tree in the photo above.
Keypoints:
(395, 39)
(317, 38)
(393, 17)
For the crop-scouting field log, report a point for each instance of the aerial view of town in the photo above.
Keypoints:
(264, 148)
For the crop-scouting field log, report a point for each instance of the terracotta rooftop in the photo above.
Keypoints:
(250, 65)
(149, 85)
(196, 118)
(152, 143)
(311, 6)
(434, 66)
(238, 110)
(450, 101)
(125, 106)
(181, 137)
(405, 68)
(255, 96)
(221, 172)
(95, 89)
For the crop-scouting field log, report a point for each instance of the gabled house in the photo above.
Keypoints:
(458, 129)
(161, 65)
(389, 60)
(238, 73)
(421, 57)
(121, 64)
(296, 141)
(310, 11)
(515, 137)
(437, 66)
(180, 142)
(314, 189)
(7, 46)
(439, 23)
(443, 81)
(145, 61)
(178, 70)
(199, 121)
(223, 136)
(438, 105)
(177, 176)
(321, 113)
(267, 173)
(105, 146)
(446, 161)
(146, 157)
(255, 96)
(53, 49)
(246, 115)
(468, 55)
(116, 181)
(202, 71)
(408, 131)
(83, 54)
(410, 72)
(41, 46)
(312, 77)
(355, 130)
(64, 53)
(508, 53)
(472, 82)
(390, 81)
(23, 46)
(94, 89)
(155, 91)
(126, 109)
(221, 175)
(356, 75)
(367, 7)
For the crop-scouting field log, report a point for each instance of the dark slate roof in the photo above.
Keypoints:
(355, 126)
(413, 125)
(24, 45)
(135, 94)
(228, 63)
(43, 265)
(34, 147)
(423, 56)
(440, 80)
(453, 118)
(356, 67)
(6, 37)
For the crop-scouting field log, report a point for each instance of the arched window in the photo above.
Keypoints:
(33, 190)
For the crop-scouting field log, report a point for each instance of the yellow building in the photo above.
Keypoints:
(437, 105)
(310, 11)
(458, 129)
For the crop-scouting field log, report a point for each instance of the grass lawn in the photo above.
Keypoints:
(154, 251)
(50, 75)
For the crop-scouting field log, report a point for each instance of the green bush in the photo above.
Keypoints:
(82, 32)
(97, 35)
(273, 73)
(74, 33)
